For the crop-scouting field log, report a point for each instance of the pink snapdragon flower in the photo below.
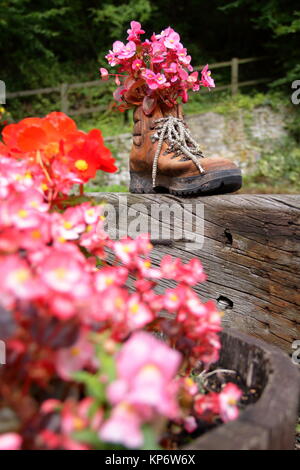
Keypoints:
(206, 79)
(10, 441)
(123, 426)
(135, 31)
(146, 369)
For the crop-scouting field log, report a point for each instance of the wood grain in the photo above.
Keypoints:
(250, 254)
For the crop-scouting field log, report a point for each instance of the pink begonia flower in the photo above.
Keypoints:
(111, 306)
(135, 31)
(69, 225)
(206, 79)
(158, 52)
(146, 270)
(91, 214)
(127, 51)
(125, 250)
(123, 426)
(23, 209)
(18, 279)
(10, 441)
(104, 73)
(228, 399)
(75, 416)
(154, 80)
(61, 268)
(183, 58)
(171, 68)
(138, 313)
(146, 368)
(78, 356)
(110, 276)
(190, 424)
(189, 386)
(190, 273)
(37, 237)
(172, 41)
(165, 32)
(136, 64)
(174, 298)
(112, 55)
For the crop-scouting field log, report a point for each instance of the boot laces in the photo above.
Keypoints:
(180, 141)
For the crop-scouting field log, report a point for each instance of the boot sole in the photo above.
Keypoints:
(214, 182)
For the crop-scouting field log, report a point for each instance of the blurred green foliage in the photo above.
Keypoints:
(44, 43)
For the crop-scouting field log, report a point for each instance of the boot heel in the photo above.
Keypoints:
(140, 184)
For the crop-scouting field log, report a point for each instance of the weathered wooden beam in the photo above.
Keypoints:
(250, 253)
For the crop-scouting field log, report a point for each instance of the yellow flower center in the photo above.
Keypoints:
(189, 382)
(231, 401)
(89, 228)
(51, 149)
(36, 234)
(90, 212)
(60, 273)
(34, 204)
(150, 368)
(147, 264)
(108, 281)
(23, 213)
(119, 302)
(21, 275)
(78, 424)
(67, 225)
(134, 309)
(174, 297)
(75, 351)
(44, 186)
(81, 165)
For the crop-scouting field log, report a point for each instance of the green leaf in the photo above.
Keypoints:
(107, 364)
(150, 439)
(91, 438)
(92, 384)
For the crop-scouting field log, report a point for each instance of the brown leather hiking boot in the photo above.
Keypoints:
(165, 158)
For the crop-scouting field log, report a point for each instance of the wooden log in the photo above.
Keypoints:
(250, 253)
(268, 424)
